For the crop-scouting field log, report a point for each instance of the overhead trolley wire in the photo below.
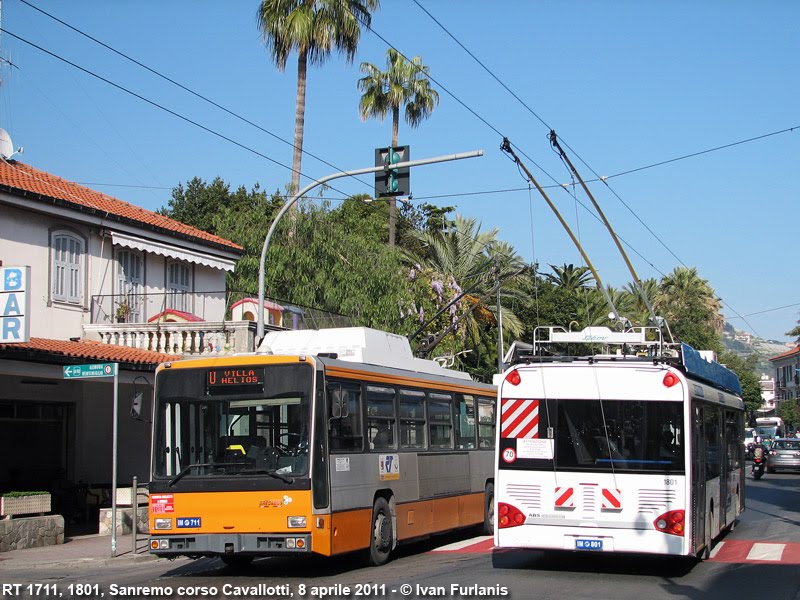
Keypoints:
(187, 89)
(599, 178)
(157, 105)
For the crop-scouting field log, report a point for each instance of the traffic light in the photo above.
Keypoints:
(392, 181)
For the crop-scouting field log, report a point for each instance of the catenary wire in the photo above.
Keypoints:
(187, 89)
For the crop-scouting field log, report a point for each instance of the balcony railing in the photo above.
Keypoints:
(182, 339)
(191, 334)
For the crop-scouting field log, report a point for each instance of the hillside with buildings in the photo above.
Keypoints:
(745, 344)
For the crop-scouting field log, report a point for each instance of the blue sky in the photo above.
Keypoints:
(625, 84)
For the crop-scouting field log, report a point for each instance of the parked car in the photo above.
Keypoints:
(784, 453)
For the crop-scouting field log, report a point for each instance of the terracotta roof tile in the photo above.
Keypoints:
(19, 176)
(88, 350)
(795, 350)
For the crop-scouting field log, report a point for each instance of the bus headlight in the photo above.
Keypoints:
(296, 522)
(163, 524)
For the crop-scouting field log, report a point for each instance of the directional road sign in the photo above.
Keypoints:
(93, 370)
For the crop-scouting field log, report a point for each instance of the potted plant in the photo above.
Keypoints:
(123, 311)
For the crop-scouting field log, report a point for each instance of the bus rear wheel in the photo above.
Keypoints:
(381, 534)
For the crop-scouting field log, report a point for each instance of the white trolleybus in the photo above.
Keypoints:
(635, 450)
(323, 441)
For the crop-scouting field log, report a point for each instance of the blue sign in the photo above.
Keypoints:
(15, 304)
(93, 370)
(187, 522)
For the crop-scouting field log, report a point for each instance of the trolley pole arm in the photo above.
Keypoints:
(506, 147)
(311, 186)
(554, 141)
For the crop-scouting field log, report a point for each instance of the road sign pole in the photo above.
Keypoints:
(114, 465)
(401, 165)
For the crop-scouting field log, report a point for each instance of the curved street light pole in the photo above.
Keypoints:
(311, 186)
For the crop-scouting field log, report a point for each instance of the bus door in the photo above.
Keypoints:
(698, 476)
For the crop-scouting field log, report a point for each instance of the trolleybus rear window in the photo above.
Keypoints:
(589, 435)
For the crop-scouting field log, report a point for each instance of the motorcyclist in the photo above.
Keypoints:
(759, 454)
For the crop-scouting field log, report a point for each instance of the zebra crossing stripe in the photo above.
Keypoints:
(761, 551)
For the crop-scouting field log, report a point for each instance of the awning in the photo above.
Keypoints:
(127, 241)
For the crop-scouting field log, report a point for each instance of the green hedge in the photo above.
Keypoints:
(21, 494)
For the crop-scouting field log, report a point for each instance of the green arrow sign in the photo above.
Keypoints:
(93, 370)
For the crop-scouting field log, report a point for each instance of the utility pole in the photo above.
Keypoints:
(500, 364)
(311, 186)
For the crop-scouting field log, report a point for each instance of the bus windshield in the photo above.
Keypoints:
(232, 421)
(612, 435)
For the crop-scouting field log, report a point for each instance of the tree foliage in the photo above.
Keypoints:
(339, 262)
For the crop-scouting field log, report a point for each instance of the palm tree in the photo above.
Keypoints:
(468, 257)
(404, 83)
(314, 28)
(569, 277)
(691, 307)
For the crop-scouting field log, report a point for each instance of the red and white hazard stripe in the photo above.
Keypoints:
(565, 497)
(612, 499)
(519, 418)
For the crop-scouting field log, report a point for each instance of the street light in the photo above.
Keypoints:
(311, 186)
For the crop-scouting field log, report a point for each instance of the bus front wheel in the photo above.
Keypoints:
(382, 537)
(488, 510)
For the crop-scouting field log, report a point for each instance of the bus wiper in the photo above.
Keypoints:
(185, 471)
(274, 474)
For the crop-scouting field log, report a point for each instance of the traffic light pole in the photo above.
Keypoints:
(311, 186)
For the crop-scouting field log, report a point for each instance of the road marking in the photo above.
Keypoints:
(729, 551)
(766, 552)
(481, 543)
(716, 550)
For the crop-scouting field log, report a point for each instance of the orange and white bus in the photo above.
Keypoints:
(323, 441)
(635, 449)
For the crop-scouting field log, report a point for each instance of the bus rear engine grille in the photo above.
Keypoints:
(529, 496)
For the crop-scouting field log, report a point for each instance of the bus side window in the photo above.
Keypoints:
(440, 420)
(381, 418)
(412, 419)
(486, 422)
(465, 422)
(345, 430)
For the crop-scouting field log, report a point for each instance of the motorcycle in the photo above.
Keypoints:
(759, 464)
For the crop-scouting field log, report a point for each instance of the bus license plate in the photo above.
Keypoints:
(588, 544)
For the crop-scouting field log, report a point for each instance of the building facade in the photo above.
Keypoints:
(110, 283)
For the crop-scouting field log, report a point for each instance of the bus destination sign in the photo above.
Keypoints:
(241, 380)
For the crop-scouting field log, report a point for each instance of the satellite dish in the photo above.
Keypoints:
(6, 147)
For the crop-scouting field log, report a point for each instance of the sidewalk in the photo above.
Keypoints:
(84, 549)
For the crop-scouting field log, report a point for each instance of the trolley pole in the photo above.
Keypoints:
(311, 186)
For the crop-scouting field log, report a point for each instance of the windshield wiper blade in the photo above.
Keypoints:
(274, 474)
(185, 471)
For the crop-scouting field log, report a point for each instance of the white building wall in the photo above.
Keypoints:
(25, 240)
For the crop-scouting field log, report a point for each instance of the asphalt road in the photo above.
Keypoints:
(759, 559)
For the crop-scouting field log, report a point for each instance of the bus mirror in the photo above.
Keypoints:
(137, 401)
(136, 406)
(338, 403)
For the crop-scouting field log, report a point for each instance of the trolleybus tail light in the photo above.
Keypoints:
(159, 544)
(509, 516)
(670, 379)
(163, 524)
(513, 378)
(671, 522)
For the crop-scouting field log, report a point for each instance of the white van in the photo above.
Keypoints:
(749, 437)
